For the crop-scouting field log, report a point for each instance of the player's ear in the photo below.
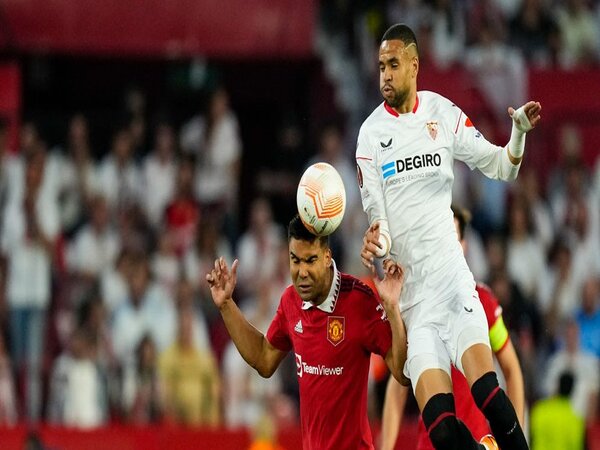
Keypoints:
(328, 257)
(415, 65)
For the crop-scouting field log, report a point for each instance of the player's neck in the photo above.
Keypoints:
(410, 104)
(323, 296)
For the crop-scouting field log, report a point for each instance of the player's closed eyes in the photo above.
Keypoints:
(308, 261)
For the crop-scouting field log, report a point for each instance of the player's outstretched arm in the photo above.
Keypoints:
(393, 412)
(511, 369)
(497, 162)
(389, 290)
(251, 343)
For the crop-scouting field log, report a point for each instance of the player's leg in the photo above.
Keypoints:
(491, 399)
(436, 402)
(428, 365)
(470, 344)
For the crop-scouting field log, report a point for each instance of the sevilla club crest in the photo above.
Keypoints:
(336, 329)
(432, 128)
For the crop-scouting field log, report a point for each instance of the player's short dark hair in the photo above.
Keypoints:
(565, 384)
(401, 32)
(297, 230)
(463, 216)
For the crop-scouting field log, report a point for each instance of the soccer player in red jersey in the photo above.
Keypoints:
(466, 409)
(332, 322)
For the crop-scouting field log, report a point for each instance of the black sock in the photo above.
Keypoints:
(466, 437)
(445, 430)
(499, 412)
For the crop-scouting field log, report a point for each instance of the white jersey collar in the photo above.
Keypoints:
(329, 304)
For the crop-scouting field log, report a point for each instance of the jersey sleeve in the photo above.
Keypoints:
(476, 151)
(498, 332)
(371, 189)
(377, 331)
(277, 334)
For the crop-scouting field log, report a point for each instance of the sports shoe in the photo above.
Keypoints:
(489, 442)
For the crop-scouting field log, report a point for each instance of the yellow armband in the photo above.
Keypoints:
(498, 335)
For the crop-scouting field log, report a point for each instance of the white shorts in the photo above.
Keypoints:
(439, 333)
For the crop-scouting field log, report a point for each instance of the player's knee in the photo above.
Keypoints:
(440, 420)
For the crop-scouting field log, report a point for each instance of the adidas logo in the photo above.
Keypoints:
(298, 327)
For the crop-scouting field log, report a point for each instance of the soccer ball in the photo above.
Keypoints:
(321, 199)
(489, 442)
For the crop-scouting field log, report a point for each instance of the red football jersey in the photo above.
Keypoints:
(466, 409)
(333, 344)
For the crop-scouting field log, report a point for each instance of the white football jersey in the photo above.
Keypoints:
(404, 164)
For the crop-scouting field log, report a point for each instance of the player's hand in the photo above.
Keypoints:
(370, 247)
(527, 116)
(222, 281)
(390, 287)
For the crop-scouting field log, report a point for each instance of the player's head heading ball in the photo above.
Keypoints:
(297, 230)
(310, 263)
(401, 32)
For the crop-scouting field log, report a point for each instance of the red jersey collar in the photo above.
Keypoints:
(329, 304)
(394, 113)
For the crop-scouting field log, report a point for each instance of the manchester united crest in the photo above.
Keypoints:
(336, 329)
(432, 128)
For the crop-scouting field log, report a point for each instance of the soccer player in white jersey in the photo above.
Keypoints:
(405, 154)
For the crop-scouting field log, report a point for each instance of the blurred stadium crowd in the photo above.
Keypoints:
(105, 313)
